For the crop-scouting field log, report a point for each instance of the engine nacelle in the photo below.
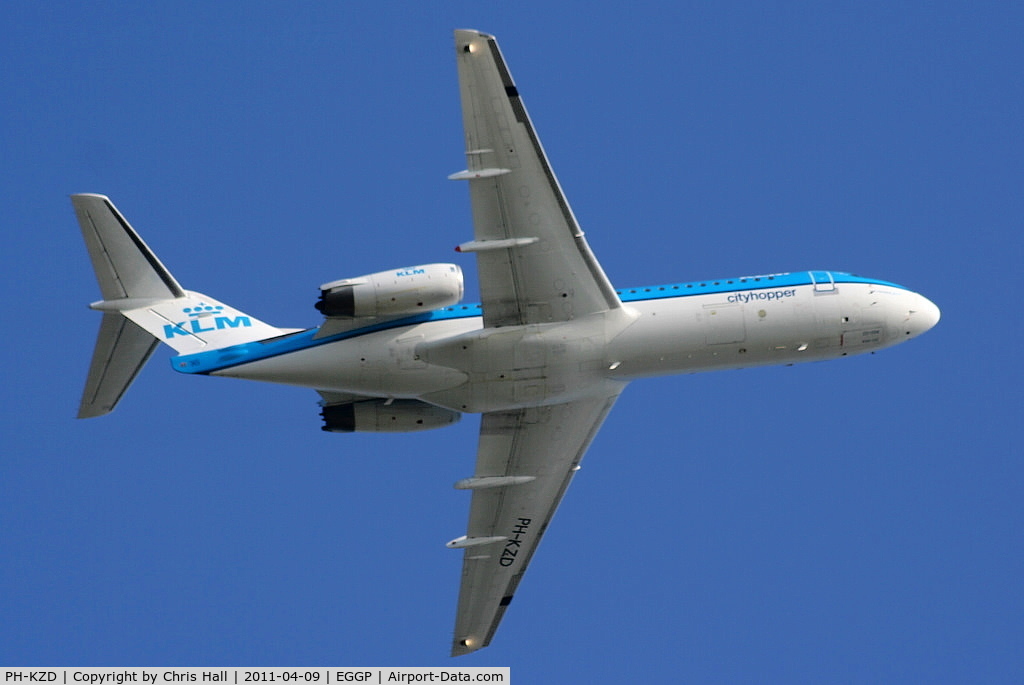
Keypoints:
(393, 293)
(377, 416)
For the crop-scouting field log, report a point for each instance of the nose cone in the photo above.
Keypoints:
(922, 317)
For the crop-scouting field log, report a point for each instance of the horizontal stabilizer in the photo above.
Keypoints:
(144, 305)
(125, 266)
(131, 346)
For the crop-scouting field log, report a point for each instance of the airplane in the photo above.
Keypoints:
(542, 357)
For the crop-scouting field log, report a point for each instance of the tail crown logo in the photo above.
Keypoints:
(202, 310)
(199, 321)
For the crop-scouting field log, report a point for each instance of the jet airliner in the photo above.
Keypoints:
(542, 357)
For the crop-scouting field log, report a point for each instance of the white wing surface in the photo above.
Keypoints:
(525, 461)
(534, 264)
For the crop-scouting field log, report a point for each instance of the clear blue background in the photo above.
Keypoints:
(856, 521)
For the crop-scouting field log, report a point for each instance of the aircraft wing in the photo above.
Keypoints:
(525, 461)
(534, 264)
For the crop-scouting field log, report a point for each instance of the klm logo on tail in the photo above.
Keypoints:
(205, 319)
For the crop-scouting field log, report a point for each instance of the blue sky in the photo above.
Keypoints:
(851, 521)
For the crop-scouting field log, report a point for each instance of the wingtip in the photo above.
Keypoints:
(461, 647)
(465, 39)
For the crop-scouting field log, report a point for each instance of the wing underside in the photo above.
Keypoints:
(525, 461)
(535, 265)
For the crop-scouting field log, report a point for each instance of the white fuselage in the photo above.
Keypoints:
(454, 362)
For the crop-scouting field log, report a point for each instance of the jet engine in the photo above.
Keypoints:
(393, 293)
(386, 416)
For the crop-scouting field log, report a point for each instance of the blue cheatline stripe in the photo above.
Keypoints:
(727, 285)
(226, 357)
(216, 360)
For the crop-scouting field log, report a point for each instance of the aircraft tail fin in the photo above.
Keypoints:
(142, 305)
